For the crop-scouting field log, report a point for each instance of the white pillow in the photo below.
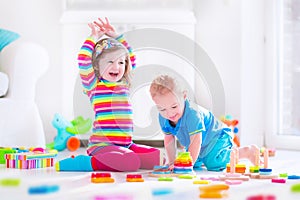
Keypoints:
(3, 84)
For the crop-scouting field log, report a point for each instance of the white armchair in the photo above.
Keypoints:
(20, 122)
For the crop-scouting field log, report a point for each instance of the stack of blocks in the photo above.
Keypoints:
(263, 172)
(234, 170)
(102, 178)
(183, 163)
(30, 160)
(134, 178)
(237, 171)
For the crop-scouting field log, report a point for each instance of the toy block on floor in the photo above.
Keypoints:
(102, 178)
(233, 176)
(239, 168)
(213, 191)
(162, 171)
(4, 151)
(134, 178)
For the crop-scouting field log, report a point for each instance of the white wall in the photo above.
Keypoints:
(219, 33)
(38, 20)
(229, 30)
(232, 31)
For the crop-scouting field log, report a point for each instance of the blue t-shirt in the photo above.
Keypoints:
(195, 120)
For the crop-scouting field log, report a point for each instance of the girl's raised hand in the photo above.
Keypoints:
(108, 29)
(97, 32)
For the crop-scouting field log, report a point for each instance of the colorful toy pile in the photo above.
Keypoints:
(183, 163)
(6, 150)
(31, 160)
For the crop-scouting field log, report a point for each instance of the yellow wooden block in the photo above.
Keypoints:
(201, 182)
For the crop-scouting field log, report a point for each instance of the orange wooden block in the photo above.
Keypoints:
(102, 180)
(214, 188)
(134, 180)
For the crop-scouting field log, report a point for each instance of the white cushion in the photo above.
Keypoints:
(20, 124)
(3, 84)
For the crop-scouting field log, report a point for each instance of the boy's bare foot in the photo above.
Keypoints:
(254, 155)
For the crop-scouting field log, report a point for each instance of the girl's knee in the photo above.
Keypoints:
(149, 156)
(138, 148)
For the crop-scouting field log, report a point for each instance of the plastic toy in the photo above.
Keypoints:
(210, 178)
(78, 163)
(161, 191)
(232, 123)
(165, 179)
(213, 191)
(30, 160)
(261, 176)
(10, 182)
(114, 197)
(278, 180)
(232, 162)
(134, 178)
(233, 182)
(265, 171)
(295, 187)
(201, 182)
(254, 169)
(186, 176)
(232, 167)
(43, 189)
(235, 176)
(283, 175)
(293, 177)
(4, 151)
(183, 163)
(266, 158)
(102, 178)
(262, 197)
(271, 151)
(161, 170)
(67, 131)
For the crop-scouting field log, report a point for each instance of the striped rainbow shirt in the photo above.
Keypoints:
(113, 112)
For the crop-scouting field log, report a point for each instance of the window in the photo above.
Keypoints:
(289, 67)
(283, 87)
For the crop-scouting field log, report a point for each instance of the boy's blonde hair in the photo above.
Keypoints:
(164, 84)
(108, 45)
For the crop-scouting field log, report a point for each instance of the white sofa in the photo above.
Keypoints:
(20, 123)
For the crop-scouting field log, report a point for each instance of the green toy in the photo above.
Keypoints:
(67, 131)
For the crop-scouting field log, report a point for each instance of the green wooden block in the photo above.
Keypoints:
(295, 187)
(4, 151)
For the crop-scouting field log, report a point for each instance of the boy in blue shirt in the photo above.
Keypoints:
(208, 140)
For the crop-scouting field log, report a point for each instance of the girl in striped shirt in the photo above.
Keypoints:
(105, 66)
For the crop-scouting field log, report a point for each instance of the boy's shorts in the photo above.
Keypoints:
(219, 156)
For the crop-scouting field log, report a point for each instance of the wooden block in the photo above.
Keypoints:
(242, 178)
(163, 175)
(259, 176)
(214, 188)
